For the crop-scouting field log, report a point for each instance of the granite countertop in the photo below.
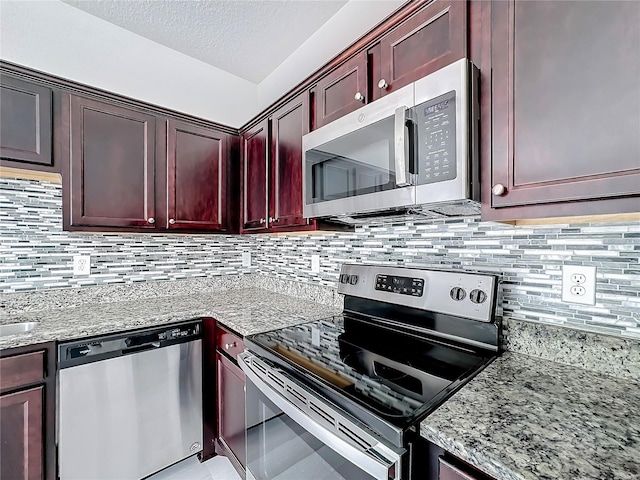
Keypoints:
(526, 418)
(247, 311)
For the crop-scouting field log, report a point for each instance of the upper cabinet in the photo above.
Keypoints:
(196, 177)
(342, 91)
(112, 166)
(272, 170)
(566, 110)
(131, 170)
(25, 122)
(430, 39)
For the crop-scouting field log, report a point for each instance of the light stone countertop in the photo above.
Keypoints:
(527, 418)
(247, 311)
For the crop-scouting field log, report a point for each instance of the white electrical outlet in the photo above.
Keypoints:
(315, 263)
(81, 264)
(579, 284)
(246, 259)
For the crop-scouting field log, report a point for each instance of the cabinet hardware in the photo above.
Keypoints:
(359, 97)
(382, 84)
(261, 220)
(499, 189)
(171, 221)
(151, 220)
(227, 346)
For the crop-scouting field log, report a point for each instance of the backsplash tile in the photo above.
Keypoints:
(35, 254)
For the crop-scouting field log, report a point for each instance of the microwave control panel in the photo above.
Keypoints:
(436, 150)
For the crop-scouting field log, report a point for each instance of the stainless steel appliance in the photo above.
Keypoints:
(342, 398)
(129, 404)
(413, 151)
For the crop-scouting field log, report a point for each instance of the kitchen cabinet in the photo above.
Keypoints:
(196, 177)
(131, 170)
(432, 38)
(442, 465)
(112, 166)
(342, 91)
(565, 105)
(255, 154)
(231, 440)
(25, 123)
(272, 173)
(27, 413)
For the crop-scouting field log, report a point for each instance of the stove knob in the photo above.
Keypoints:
(344, 278)
(457, 293)
(353, 279)
(477, 296)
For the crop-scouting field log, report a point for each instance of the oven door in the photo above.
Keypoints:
(294, 434)
(363, 161)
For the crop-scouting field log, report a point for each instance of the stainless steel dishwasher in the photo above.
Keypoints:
(130, 404)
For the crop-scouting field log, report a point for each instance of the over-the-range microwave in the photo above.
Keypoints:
(412, 152)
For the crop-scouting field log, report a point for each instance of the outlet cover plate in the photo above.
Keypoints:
(315, 263)
(246, 259)
(570, 272)
(82, 264)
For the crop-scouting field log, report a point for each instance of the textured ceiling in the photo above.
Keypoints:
(247, 38)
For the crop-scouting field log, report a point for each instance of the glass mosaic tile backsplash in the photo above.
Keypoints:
(35, 254)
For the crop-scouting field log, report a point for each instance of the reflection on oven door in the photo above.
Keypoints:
(279, 449)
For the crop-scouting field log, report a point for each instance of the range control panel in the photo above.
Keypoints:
(402, 285)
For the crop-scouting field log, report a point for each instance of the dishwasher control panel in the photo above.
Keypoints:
(124, 343)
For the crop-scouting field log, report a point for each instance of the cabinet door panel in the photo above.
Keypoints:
(255, 177)
(21, 447)
(335, 93)
(112, 165)
(431, 39)
(231, 414)
(195, 177)
(566, 101)
(25, 121)
(288, 125)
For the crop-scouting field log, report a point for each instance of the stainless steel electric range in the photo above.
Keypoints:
(342, 398)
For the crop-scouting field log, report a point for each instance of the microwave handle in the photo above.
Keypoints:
(400, 156)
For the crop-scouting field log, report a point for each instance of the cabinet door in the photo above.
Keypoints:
(288, 125)
(342, 91)
(449, 471)
(231, 425)
(112, 165)
(431, 39)
(25, 122)
(21, 440)
(566, 105)
(196, 183)
(255, 171)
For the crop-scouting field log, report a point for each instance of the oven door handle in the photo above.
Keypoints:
(380, 461)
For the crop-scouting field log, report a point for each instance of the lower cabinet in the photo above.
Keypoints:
(231, 426)
(27, 413)
(444, 466)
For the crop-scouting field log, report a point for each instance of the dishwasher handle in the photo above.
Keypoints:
(140, 340)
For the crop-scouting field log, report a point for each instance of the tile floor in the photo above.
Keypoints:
(216, 468)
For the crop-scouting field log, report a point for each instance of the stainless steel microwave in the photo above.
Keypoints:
(414, 149)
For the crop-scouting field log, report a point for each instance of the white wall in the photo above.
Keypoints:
(56, 38)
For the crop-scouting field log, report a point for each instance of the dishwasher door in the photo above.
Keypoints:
(130, 416)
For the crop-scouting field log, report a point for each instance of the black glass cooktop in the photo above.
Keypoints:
(396, 376)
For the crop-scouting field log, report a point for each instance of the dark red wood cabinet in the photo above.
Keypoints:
(130, 170)
(565, 109)
(196, 177)
(231, 436)
(27, 413)
(274, 203)
(25, 122)
(112, 166)
(433, 37)
(255, 173)
(342, 91)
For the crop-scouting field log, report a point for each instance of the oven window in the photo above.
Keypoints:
(279, 449)
(358, 163)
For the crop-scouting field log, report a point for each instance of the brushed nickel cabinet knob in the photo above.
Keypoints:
(261, 220)
(499, 189)
(273, 219)
(227, 346)
(171, 221)
(359, 97)
(151, 220)
(382, 84)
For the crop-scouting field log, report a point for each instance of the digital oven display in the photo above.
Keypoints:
(402, 285)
